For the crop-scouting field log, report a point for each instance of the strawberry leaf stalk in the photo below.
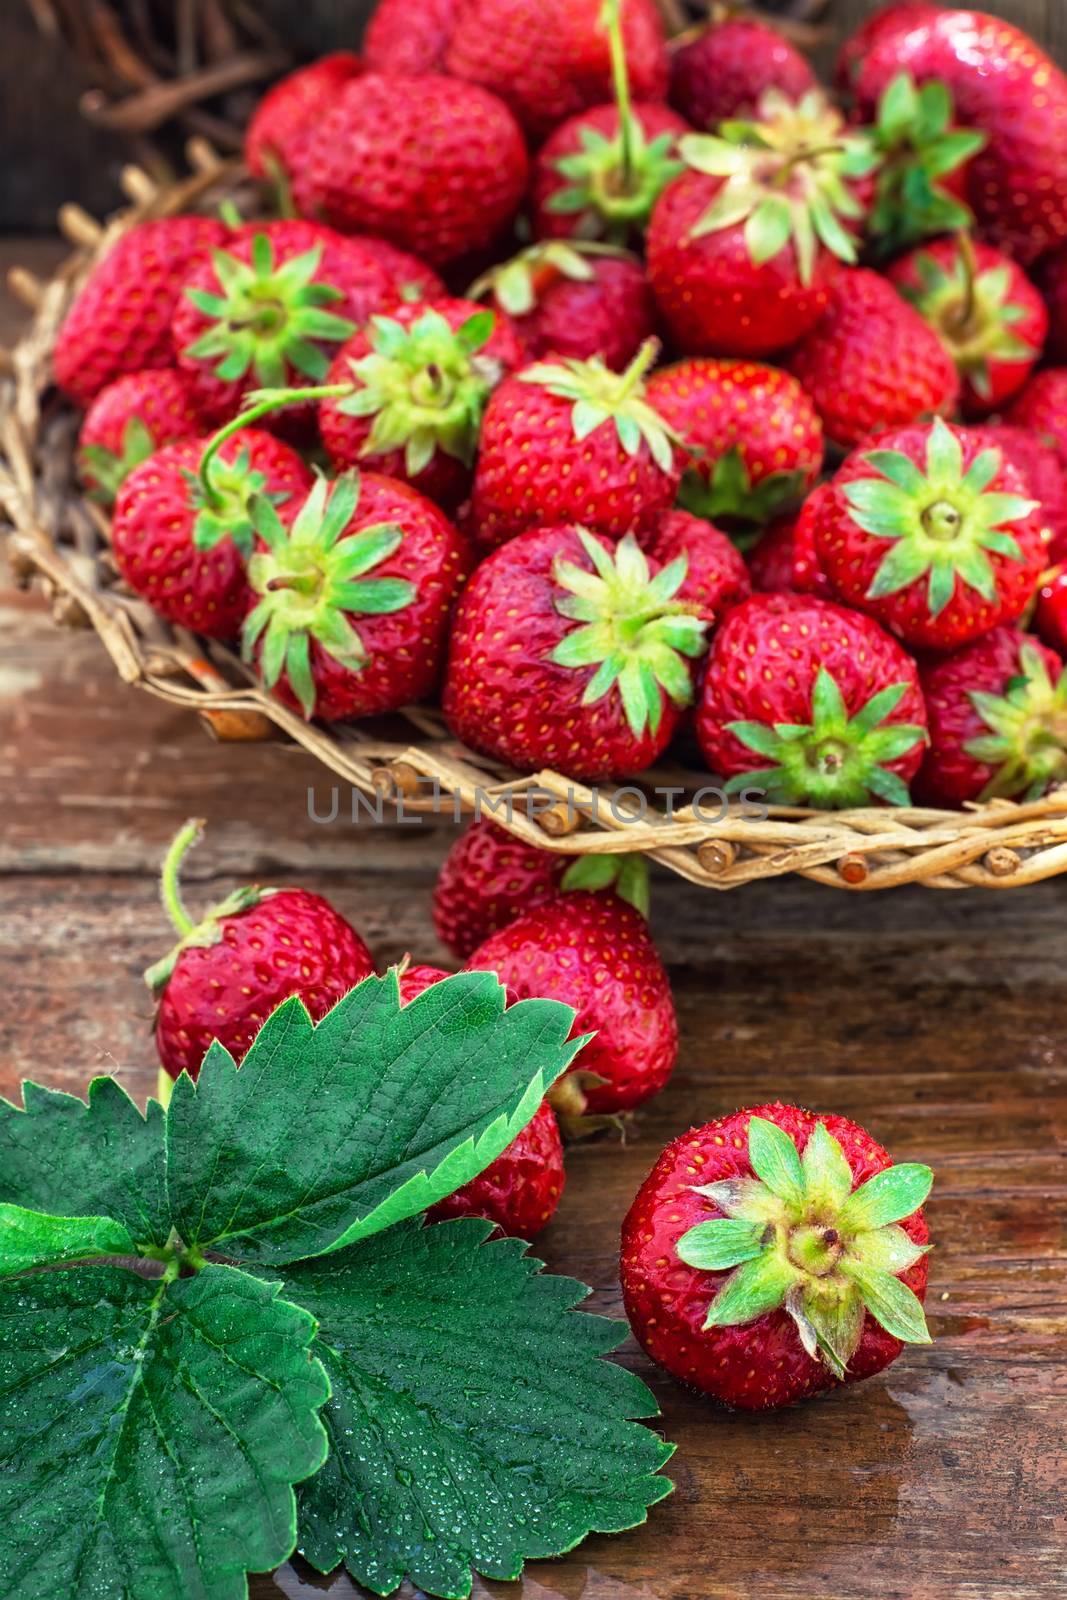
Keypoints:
(799, 1237)
(601, 397)
(920, 150)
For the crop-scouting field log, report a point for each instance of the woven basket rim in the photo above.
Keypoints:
(61, 540)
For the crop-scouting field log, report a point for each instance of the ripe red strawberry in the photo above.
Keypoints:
(1003, 84)
(601, 172)
(128, 420)
(1050, 614)
(271, 310)
(811, 703)
(409, 36)
(184, 551)
(595, 953)
(462, 176)
(756, 437)
(998, 721)
(784, 560)
(931, 532)
(279, 134)
(549, 59)
(985, 311)
(521, 1189)
(120, 320)
(1042, 409)
(716, 576)
(1053, 280)
(572, 441)
(490, 877)
(409, 278)
(1045, 475)
(234, 966)
(896, 16)
(570, 654)
(421, 377)
(735, 258)
(726, 70)
(354, 588)
(872, 362)
(771, 1254)
(574, 300)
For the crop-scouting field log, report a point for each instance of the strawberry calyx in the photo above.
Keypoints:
(798, 1236)
(426, 386)
(1027, 737)
(602, 397)
(786, 178)
(625, 875)
(109, 469)
(725, 494)
(223, 502)
(835, 761)
(192, 933)
(919, 147)
(939, 523)
(311, 581)
(634, 632)
(518, 284)
(971, 312)
(267, 319)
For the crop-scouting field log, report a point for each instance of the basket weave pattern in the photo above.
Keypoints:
(62, 540)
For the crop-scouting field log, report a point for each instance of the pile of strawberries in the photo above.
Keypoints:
(760, 445)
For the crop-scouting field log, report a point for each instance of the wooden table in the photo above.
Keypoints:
(935, 1019)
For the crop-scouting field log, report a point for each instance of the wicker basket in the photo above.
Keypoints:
(63, 541)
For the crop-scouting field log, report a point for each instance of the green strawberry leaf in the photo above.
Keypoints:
(29, 1239)
(472, 1424)
(334, 1131)
(152, 1432)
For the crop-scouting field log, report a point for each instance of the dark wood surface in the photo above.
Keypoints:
(936, 1020)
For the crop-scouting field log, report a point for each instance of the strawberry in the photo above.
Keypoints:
(998, 721)
(756, 437)
(271, 309)
(1050, 614)
(743, 247)
(921, 184)
(279, 134)
(572, 441)
(521, 1189)
(120, 320)
(726, 70)
(932, 533)
(409, 36)
(409, 278)
(891, 18)
(1045, 475)
(461, 179)
(182, 546)
(1053, 281)
(872, 362)
(599, 175)
(716, 576)
(231, 968)
(129, 419)
(549, 59)
(772, 1254)
(812, 704)
(1041, 408)
(1002, 84)
(489, 877)
(421, 378)
(985, 311)
(353, 590)
(574, 300)
(595, 953)
(784, 560)
(570, 654)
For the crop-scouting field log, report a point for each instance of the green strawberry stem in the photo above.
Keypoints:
(962, 320)
(612, 21)
(264, 401)
(205, 932)
(169, 878)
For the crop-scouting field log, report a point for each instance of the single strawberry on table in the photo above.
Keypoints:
(352, 588)
(571, 441)
(129, 419)
(726, 70)
(236, 964)
(772, 1254)
(432, 165)
(280, 130)
(181, 541)
(998, 721)
(755, 437)
(573, 299)
(569, 653)
(421, 378)
(121, 317)
(872, 362)
(984, 309)
(933, 532)
(744, 245)
(812, 704)
(595, 953)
